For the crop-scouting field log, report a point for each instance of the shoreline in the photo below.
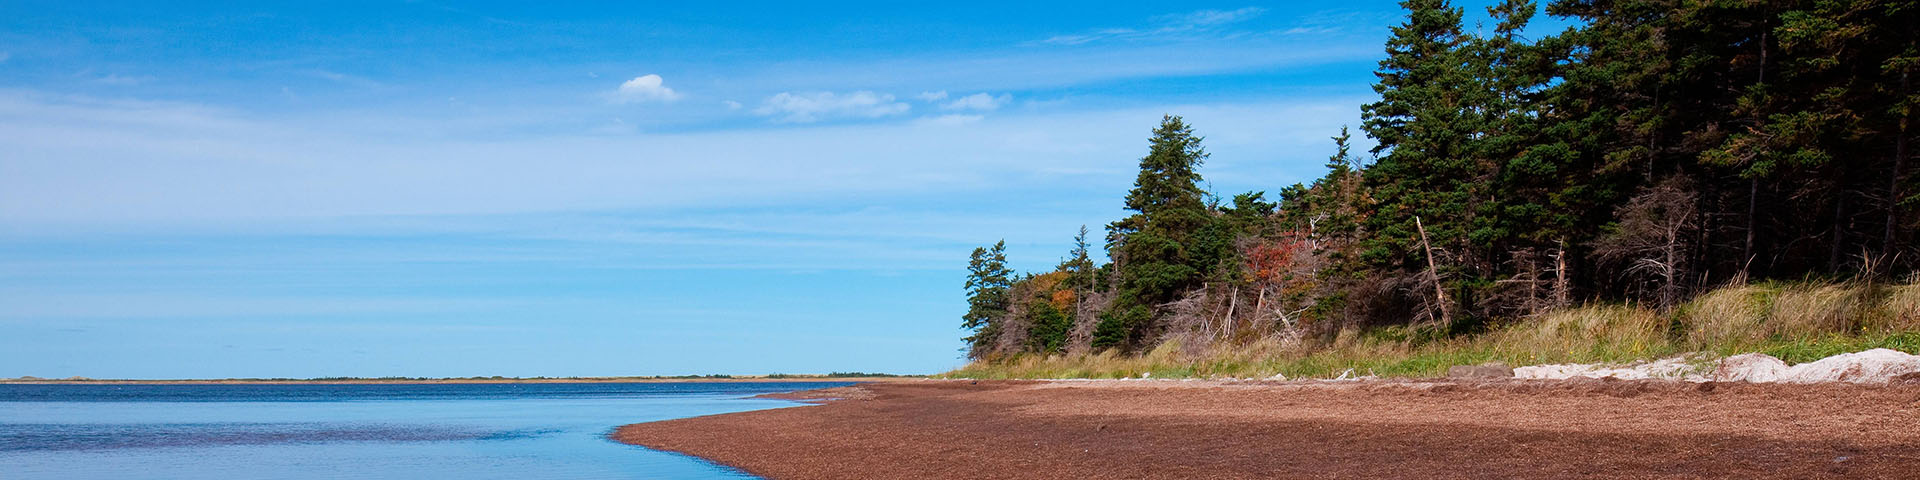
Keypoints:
(432, 381)
(1313, 429)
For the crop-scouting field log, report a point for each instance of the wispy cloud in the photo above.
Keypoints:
(4, 56)
(1208, 18)
(122, 80)
(296, 171)
(346, 79)
(948, 120)
(1074, 69)
(807, 107)
(978, 102)
(177, 162)
(645, 88)
(1163, 26)
(1334, 22)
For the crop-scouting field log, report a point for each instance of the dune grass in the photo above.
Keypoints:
(1796, 322)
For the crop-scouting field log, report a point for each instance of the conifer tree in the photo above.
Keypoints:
(988, 282)
(1154, 245)
(1423, 124)
(1079, 264)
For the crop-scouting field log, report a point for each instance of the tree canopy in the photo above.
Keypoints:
(1653, 150)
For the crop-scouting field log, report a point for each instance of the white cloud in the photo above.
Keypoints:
(979, 101)
(1089, 37)
(1207, 18)
(949, 120)
(350, 80)
(645, 88)
(1164, 26)
(1025, 69)
(812, 106)
(122, 81)
(932, 96)
(175, 162)
(732, 105)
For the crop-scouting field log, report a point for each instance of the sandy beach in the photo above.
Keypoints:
(1373, 429)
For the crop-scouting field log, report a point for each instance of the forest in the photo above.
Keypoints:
(1652, 152)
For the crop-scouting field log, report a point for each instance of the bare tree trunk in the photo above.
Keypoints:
(1533, 306)
(1669, 293)
(1206, 320)
(1232, 301)
(1433, 274)
(1560, 293)
(1313, 233)
(1260, 304)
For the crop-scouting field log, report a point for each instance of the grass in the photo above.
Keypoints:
(1797, 322)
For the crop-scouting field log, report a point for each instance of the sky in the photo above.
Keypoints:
(385, 188)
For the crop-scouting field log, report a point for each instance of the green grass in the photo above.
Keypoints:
(1797, 322)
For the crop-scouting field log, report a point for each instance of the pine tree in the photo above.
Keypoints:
(1154, 245)
(1079, 264)
(988, 282)
(1427, 174)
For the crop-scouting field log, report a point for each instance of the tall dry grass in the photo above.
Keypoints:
(1795, 321)
(1596, 332)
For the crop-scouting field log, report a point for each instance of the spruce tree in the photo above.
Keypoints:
(1427, 172)
(1079, 264)
(1154, 245)
(988, 282)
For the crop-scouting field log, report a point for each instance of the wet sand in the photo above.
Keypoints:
(1377, 429)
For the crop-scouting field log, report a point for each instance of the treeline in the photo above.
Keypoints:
(1656, 149)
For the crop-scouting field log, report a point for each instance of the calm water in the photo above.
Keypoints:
(355, 431)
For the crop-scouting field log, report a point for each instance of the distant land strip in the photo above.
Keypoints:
(777, 377)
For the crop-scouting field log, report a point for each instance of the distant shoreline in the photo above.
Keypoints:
(421, 381)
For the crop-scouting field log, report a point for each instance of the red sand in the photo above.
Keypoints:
(1171, 429)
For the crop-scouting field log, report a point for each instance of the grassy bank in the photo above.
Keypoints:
(1797, 322)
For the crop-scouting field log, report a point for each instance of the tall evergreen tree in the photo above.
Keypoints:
(1153, 246)
(1426, 175)
(1079, 264)
(988, 282)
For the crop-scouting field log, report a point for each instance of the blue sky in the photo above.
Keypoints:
(255, 189)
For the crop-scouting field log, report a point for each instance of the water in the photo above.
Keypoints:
(462, 431)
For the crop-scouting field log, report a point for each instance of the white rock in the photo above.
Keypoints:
(1872, 366)
(1750, 367)
(1878, 365)
(1668, 368)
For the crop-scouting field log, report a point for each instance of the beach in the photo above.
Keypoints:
(1586, 428)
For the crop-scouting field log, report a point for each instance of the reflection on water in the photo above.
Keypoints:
(355, 431)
